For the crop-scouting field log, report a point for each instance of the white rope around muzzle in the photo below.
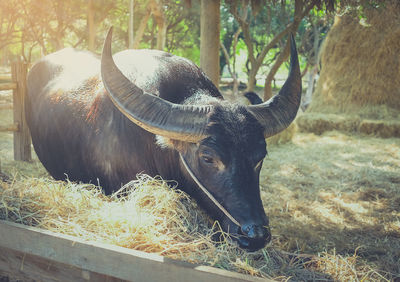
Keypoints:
(209, 195)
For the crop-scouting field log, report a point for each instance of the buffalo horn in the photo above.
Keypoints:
(277, 113)
(152, 113)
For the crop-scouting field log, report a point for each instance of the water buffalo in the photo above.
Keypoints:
(104, 122)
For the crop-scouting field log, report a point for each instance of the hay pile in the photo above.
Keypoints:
(148, 215)
(360, 68)
(145, 215)
(283, 137)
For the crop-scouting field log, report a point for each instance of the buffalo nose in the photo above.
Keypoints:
(254, 231)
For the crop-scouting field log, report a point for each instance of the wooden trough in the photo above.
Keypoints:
(29, 253)
(22, 138)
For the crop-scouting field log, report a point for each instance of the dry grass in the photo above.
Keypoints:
(335, 194)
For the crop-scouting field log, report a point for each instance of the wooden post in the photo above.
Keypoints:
(209, 39)
(22, 138)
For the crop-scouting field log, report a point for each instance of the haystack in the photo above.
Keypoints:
(360, 67)
(283, 137)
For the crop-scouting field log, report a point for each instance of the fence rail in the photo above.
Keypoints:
(29, 253)
(17, 83)
(6, 77)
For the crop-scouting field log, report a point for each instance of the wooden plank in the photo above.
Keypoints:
(26, 267)
(22, 137)
(6, 106)
(6, 77)
(112, 261)
(11, 127)
(8, 86)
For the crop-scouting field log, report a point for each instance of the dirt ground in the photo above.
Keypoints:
(333, 194)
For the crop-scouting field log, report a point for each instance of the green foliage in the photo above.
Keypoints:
(34, 27)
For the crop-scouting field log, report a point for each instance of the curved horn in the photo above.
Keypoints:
(156, 115)
(277, 113)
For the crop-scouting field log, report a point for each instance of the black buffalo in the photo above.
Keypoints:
(97, 121)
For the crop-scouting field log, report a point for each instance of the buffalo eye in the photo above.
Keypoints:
(207, 159)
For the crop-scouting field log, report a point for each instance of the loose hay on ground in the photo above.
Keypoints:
(319, 123)
(337, 192)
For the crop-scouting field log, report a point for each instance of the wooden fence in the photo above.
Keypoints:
(29, 253)
(17, 83)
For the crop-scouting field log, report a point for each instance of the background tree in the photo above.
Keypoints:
(209, 38)
(312, 35)
(274, 29)
(130, 24)
(229, 45)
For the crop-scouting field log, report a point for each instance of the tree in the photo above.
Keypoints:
(209, 39)
(263, 11)
(130, 24)
(229, 43)
(91, 26)
(8, 21)
(301, 10)
(97, 12)
(314, 30)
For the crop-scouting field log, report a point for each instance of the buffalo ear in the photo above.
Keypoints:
(164, 143)
(253, 98)
(173, 144)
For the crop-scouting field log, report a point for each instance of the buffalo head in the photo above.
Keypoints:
(221, 146)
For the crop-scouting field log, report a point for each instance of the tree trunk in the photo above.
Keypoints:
(232, 70)
(312, 73)
(160, 19)
(209, 39)
(255, 62)
(130, 24)
(141, 28)
(59, 31)
(161, 35)
(251, 79)
(270, 77)
(306, 100)
(91, 26)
